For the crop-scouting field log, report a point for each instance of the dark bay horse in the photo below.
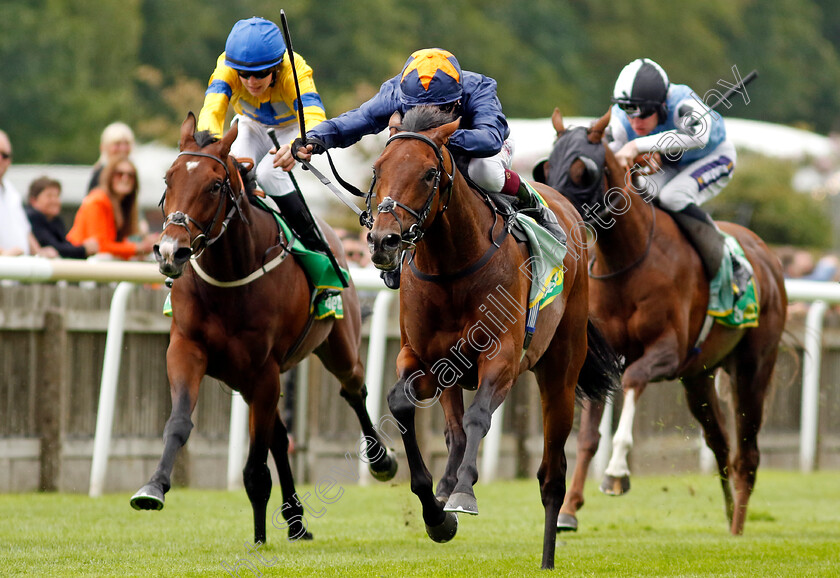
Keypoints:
(241, 315)
(453, 331)
(649, 291)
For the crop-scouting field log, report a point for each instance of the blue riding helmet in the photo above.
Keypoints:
(254, 44)
(430, 76)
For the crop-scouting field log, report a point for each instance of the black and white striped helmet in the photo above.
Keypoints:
(641, 88)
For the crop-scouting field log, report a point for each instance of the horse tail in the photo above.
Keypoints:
(600, 376)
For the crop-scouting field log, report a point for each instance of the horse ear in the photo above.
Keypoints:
(596, 131)
(443, 132)
(228, 139)
(187, 131)
(394, 123)
(557, 122)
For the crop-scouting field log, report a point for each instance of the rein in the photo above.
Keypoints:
(635, 263)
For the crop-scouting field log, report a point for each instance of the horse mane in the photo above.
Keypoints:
(204, 138)
(425, 117)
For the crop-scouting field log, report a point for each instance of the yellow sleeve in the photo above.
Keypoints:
(220, 89)
(313, 107)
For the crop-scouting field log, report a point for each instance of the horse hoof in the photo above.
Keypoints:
(613, 486)
(305, 535)
(388, 467)
(566, 523)
(446, 530)
(148, 497)
(462, 502)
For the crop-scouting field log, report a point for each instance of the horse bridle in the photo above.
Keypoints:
(415, 232)
(200, 242)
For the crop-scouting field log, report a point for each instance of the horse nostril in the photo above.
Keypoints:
(391, 242)
(182, 255)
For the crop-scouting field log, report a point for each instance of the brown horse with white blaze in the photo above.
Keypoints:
(650, 291)
(241, 314)
(453, 333)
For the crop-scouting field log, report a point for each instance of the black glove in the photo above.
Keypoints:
(317, 148)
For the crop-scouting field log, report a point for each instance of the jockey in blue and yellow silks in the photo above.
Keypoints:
(433, 77)
(254, 75)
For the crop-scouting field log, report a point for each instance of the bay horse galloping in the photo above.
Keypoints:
(241, 314)
(452, 330)
(650, 292)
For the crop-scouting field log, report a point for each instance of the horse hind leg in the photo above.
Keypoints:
(704, 405)
(751, 383)
(587, 445)
(452, 402)
(616, 480)
(292, 510)
(341, 358)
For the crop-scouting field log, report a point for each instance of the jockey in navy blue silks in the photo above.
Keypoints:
(651, 114)
(432, 76)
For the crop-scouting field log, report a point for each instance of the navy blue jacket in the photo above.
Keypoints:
(482, 132)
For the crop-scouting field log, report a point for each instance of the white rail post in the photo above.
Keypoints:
(236, 440)
(108, 388)
(492, 446)
(809, 421)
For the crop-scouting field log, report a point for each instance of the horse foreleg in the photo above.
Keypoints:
(440, 526)
(492, 391)
(186, 364)
(659, 360)
(292, 510)
(452, 402)
(262, 402)
(589, 436)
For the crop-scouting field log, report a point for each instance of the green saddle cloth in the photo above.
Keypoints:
(547, 254)
(326, 297)
(722, 305)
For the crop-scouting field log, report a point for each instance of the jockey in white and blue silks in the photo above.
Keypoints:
(433, 76)
(652, 115)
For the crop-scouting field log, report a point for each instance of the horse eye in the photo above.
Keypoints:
(430, 175)
(217, 186)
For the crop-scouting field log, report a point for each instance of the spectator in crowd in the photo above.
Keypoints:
(117, 141)
(109, 214)
(44, 211)
(16, 236)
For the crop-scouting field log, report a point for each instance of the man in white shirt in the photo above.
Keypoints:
(16, 236)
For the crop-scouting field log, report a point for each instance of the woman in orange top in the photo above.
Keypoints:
(109, 213)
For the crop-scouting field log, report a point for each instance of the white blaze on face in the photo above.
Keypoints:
(167, 247)
(191, 165)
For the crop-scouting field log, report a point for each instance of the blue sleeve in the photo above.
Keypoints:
(370, 118)
(485, 126)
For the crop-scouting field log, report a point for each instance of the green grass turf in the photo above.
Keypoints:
(666, 526)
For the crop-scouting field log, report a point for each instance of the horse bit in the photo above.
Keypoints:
(199, 243)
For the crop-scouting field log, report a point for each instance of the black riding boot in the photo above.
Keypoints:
(300, 220)
(546, 218)
(707, 239)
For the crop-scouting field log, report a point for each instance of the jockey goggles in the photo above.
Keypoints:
(255, 73)
(637, 110)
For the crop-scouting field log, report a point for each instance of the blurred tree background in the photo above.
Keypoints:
(70, 67)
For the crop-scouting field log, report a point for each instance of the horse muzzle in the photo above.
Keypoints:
(385, 250)
(171, 257)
